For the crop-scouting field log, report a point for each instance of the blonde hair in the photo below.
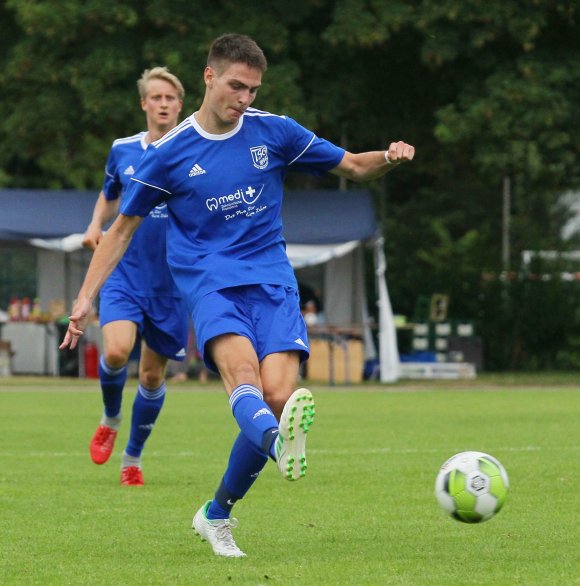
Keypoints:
(159, 73)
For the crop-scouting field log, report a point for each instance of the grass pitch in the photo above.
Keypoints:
(365, 513)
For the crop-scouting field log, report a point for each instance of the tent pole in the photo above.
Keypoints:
(388, 349)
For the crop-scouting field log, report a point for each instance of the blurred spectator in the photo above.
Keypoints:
(310, 313)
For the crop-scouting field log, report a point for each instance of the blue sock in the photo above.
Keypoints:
(250, 450)
(112, 383)
(146, 408)
(245, 464)
(253, 415)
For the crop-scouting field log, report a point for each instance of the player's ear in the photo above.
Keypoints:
(143, 105)
(208, 76)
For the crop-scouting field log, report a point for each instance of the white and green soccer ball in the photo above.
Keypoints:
(472, 486)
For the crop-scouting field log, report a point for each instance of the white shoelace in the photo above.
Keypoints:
(223, 532)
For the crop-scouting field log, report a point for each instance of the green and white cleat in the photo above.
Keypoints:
(218, 533)
(290, 446)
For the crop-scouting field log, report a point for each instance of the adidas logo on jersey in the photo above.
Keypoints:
(300, 341)
(181, 353)
(129, 170)
(196, 170)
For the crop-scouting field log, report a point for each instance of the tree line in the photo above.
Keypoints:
(488, 93)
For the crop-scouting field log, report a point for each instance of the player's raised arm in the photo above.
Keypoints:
(370, 165)
(105, 259)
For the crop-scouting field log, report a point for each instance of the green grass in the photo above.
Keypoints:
(365, 513)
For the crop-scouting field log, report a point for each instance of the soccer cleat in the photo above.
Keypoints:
(290, 446)
(102, 444)
(217, 532)
(132, 476)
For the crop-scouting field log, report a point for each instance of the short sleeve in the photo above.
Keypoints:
(310, 154)
(148, 186)
(112, 187)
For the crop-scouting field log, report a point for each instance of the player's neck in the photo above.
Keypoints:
(154, 134)
(212, 124)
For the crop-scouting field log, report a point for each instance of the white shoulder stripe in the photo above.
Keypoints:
(128, 139)
(254, 112)
(305, 149)
(150, 185)
(172, 133)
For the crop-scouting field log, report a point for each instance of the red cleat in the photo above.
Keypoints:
(102, 444)
(132, 476)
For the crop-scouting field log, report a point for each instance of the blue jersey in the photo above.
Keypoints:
(224, 196)
(143, 269)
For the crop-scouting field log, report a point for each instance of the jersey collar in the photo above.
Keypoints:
(144, 140)
(209, 136)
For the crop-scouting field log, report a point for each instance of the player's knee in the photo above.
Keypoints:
(116, 357)
(151, 378)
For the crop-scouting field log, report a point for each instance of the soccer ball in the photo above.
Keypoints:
(472, 486)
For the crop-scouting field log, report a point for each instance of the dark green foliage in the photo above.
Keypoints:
(530, 322)
(483, 90)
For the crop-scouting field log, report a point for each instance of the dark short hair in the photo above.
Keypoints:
(234, 48)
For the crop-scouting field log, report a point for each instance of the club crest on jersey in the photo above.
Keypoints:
(259, 156)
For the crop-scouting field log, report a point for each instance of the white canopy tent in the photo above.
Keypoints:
(330, 230)
(326, 233)
(338, 271)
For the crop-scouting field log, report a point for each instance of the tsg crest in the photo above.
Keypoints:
(259, 156)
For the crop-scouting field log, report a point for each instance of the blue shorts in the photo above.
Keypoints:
(161, 321)
(268, 315)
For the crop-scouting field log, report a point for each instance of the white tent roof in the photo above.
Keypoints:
(307, 255)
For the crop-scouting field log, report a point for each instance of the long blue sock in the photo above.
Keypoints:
(245, 464)
(112, 383)
(146, 408)
(256, 420)
(250, 451)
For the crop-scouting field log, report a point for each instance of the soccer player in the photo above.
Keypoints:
(221, 172)
(139, 299)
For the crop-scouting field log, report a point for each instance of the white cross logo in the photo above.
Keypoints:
(250, 196)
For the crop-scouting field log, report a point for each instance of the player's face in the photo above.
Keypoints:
(231, 91)
(161, 105)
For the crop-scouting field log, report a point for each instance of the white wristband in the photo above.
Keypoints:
(389, 162)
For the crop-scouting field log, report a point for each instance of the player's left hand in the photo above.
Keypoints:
(400, 152)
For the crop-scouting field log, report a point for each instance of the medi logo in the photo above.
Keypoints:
(248, 196)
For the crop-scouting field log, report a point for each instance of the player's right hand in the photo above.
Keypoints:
(92, 237)
(77, 324)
